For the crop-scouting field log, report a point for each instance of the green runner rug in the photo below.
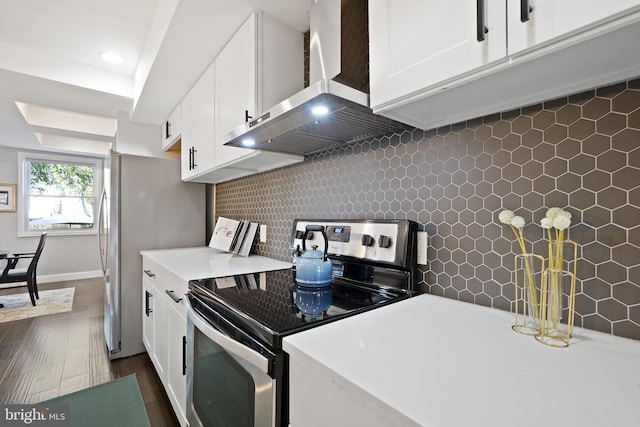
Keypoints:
(117, 403)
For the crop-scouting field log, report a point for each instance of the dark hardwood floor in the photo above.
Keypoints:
(49, 356)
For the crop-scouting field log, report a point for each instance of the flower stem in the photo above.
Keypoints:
(532, 286)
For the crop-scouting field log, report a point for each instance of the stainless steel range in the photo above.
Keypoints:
(237, 371)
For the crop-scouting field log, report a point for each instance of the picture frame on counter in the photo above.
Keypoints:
(234, 236)
(8, 197)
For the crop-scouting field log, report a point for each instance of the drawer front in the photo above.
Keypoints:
(154, 274)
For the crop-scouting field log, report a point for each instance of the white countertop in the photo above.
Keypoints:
(203, 262)
(442, 362)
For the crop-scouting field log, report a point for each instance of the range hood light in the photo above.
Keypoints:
(248, 142)
(320, 110)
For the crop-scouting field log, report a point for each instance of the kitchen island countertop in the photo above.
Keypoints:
(444, 363)
(204, 262)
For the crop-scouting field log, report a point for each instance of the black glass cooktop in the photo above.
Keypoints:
(269, 305)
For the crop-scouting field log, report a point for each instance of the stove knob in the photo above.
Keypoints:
(385, 242)
(367, 240)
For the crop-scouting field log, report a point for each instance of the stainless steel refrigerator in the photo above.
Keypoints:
(144, 206)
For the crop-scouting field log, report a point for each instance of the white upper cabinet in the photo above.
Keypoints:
(260, 66)
(172, 129)
(236, 88)
(417, 43)
(430, 68)
(533, 22)
(198, 128)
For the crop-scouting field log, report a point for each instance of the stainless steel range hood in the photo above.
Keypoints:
(329, 112)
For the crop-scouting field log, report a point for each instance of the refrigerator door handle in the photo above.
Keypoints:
(102, 233)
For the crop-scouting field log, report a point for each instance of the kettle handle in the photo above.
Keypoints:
(319, 228)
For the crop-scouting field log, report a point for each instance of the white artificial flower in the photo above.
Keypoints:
(517, 222)
(546, 223)
(565, 214)
(561, 222)
(506, 216)
(553, 212)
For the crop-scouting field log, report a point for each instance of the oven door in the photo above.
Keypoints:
(228, 383)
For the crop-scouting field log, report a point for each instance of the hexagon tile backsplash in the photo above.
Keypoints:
(580, 153)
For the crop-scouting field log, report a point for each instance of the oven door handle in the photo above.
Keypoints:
(228, 344)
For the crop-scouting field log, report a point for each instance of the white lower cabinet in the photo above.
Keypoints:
(153, 321)
(159, 353)
(164, 329)
(318, 398)
(176, 332)
(148, 318)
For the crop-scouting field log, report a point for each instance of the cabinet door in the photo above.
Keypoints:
(176, 364)
(416, 44)
(235, 88)
(147, 316)
(172, 128)
(534, 22)
(186, 168)
(153, 326)
(159, 340)
(198, 128)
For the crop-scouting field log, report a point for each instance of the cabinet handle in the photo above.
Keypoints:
(149, 273)
(147, 306)
(192, 158)
(184, 355)
(247, 117)
(481, 29)
(525, 10)
(167, 129)
(173, 296)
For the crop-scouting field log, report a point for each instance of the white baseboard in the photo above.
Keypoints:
(69, 276)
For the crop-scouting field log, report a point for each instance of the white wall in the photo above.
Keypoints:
(64, 257)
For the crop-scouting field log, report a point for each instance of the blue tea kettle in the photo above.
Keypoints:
(313, 268)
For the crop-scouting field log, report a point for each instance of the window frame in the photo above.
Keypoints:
(24, 194)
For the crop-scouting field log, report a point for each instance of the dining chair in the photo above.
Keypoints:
(14, 274)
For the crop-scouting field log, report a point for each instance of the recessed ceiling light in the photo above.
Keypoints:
(111, 57)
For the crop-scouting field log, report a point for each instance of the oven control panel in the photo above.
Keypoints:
(387, 241)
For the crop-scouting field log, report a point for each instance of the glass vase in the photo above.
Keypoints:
(557, 302)
(528, 270)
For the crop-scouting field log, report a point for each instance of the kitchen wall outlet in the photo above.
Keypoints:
(422, 248)
(263, 233)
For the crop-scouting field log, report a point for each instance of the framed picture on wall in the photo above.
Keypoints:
(7, 197)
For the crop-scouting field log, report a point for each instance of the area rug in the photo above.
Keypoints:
(18, 306)
(116, 403)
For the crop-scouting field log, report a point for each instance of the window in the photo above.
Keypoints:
(59, 194)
